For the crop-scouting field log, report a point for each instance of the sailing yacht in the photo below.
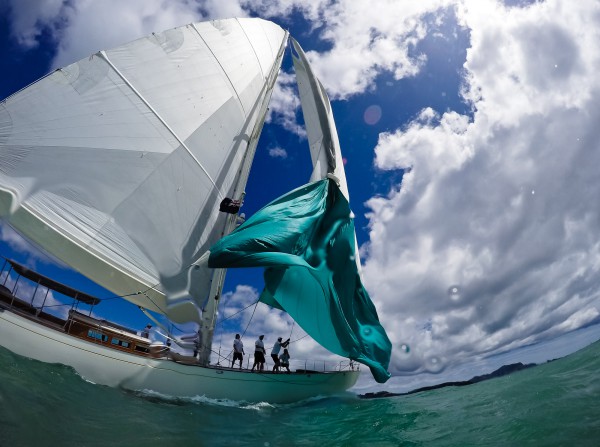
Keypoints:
(130, 166)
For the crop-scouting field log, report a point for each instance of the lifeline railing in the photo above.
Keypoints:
(297, 365)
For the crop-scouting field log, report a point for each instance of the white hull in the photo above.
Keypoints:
(106, 366)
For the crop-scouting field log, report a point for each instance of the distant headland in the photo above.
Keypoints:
(502, 371)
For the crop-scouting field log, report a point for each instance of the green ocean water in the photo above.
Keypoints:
(554, 404)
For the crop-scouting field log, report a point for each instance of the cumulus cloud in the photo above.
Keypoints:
(29, 18)
(93, 26)
(491, 240)
(285, 104)
(84, 27)
(19, 244)
(363, 40)
(278, 152)
(14, 239)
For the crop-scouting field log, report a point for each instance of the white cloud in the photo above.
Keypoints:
(365, 40)
(18, 243)
(14, 239)
(29, 18)
(278, 152)
(93, 26)
(84, 27)
(502, 205)
(284, 104)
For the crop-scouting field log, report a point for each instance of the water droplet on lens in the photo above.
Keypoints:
(367, 331)
(454, 292)
(404, 348)
(434, 364)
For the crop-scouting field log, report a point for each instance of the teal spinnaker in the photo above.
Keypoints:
(306, 241)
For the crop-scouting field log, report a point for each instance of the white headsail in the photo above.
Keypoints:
(325, 151)
(117, 163)
(322, 134)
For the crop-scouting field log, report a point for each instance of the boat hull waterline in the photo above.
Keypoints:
(106, 366)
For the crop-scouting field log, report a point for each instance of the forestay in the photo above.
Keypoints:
(117, 163)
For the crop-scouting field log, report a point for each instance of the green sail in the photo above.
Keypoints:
(306, 241)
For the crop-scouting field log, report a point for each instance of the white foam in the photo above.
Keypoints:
(207, 400)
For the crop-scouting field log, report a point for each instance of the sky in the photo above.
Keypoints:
(471, 139)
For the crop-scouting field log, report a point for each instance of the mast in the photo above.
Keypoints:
(209, 312)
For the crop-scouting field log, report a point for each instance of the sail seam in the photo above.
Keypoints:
(222, 68)
(252, 46)
(160, 118)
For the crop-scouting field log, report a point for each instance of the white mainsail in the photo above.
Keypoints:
(117, 163)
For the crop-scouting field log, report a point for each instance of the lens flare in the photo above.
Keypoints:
(372, 115)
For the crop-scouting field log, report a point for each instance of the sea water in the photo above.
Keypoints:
(554, 404)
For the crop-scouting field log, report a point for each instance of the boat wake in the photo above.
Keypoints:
(154, 396)
(203, 400)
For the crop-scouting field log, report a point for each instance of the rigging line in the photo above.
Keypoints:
(231, 316)
(159, 308)
(220, 338)
(250, 321)
(52, 305)
(118, 296)
(160, 118)
(100, 299)
(298, 339)
(239, 311)
(220, 344)
(219, 354)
